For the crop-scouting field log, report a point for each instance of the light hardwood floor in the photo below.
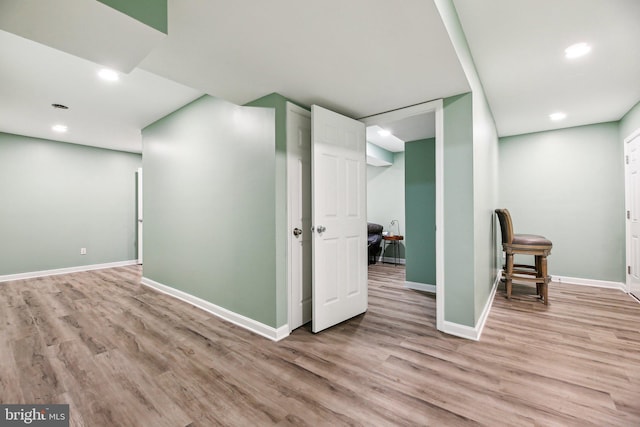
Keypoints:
(123, 355)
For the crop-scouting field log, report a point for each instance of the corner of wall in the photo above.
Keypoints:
(279, 104)
(630, 122)
(208, 221)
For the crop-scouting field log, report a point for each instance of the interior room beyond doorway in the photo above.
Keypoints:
(401, 194)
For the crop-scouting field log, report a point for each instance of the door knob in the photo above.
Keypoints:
(321, 229)
(297, 232)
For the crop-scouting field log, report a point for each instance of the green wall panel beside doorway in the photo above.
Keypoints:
(420, 211)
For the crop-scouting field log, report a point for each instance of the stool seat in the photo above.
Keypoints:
(530, 239)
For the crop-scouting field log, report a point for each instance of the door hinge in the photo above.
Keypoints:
(626, 159)
(628, 214)
(628, 269)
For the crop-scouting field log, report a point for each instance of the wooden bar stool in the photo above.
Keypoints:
(524, 244)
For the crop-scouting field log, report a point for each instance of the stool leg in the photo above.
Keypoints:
(545, 285)
(508, 280)
(538, 275)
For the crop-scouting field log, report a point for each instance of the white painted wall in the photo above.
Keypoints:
(385, 195)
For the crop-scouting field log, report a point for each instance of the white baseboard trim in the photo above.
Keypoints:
(474, 333)
(462, 331)
(416, 286)
(590, 282)
(390, 260)
(275, 334)
(67, 270)
(281, 332)
(487, 307)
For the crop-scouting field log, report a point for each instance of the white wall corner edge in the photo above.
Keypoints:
(66, 270)
(474, 333)
(274, 334)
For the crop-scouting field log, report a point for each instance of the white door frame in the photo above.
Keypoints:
(437, 108)
(627, 201)
(290, 221)
(139, 183)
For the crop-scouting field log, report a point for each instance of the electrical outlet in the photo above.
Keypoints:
(83, 251)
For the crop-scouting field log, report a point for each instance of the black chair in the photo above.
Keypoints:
(374, 240)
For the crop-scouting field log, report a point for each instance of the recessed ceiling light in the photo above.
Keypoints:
(59, 128)
(108, 75)
(384, 132)
(577, 50)
(557, 116)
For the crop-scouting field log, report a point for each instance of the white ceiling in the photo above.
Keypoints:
(518, 48)
(409, 129)
(357, 57)
(389, 142)
(100, 114)
(82, 28)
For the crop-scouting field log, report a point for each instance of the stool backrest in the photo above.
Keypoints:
(506, 226)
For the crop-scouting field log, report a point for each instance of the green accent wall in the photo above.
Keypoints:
(210, 205)
(568, 185)
(150, 12)
(59, 197)
(630, 122)
(386, 199)
(420, 210)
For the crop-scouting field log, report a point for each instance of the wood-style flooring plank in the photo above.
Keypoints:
(122, 354)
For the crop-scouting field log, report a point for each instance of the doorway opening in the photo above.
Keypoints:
(298, 184)
(412, 139)
(401, 195)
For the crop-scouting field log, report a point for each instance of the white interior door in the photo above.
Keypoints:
(339, 218)
(139, 182)
(299, 203)
(632, 177)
